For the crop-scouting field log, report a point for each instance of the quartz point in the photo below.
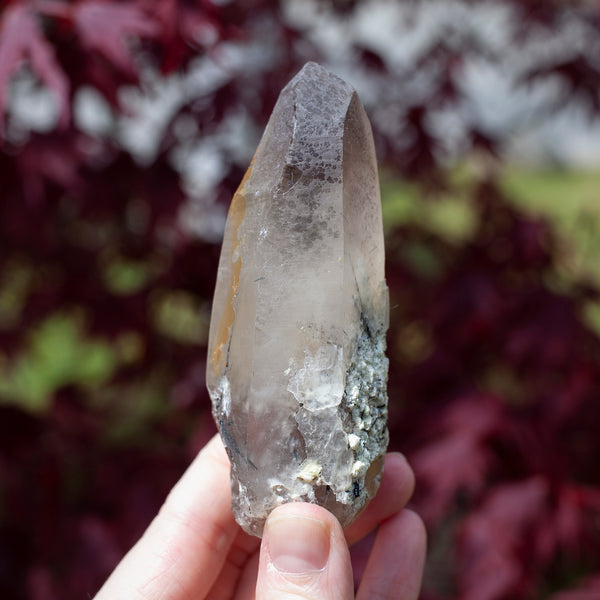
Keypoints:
(296, 365)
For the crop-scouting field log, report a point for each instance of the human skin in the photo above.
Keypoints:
(194, 549)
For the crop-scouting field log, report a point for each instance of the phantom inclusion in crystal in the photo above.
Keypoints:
(296, 365)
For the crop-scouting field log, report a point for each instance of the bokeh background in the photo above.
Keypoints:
(126, 126)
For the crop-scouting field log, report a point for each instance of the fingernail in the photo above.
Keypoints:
(297, 544)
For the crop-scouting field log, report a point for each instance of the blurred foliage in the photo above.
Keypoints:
(108, 254)
(57, 355)
(569, 200)
(449, 215)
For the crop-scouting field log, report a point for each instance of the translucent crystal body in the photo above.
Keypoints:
(296, 365)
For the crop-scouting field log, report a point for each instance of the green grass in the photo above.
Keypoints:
(565, 196)
(450, 216)
(570, 201)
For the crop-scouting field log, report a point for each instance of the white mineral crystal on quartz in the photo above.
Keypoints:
(296, 366)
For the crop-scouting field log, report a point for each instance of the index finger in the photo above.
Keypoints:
(184, 548)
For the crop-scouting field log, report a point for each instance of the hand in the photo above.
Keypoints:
(194, 549)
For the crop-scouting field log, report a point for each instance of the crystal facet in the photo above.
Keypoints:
(296, 365)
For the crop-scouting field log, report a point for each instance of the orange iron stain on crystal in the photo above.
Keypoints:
(237, 212)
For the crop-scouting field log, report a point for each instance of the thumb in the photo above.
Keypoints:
(304, 555)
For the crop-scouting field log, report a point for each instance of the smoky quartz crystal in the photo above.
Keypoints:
(296, 365)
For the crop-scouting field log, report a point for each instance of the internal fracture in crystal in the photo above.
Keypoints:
(296, 368)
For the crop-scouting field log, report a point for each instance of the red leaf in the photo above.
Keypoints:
(41, 584)
(514, 506)
(21, 39)
(568, 520)
(455, 462)
(589, 590)
(186, 28)
(105, 27)
(492, 539)
(459, 460)
(53, 158)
